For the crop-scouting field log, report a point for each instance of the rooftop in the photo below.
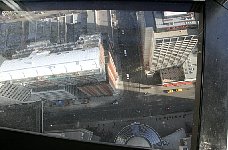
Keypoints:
(171, 20)
(190, 67)
(84, 55)
(84, 42)
(170, 33)
(39, 64)
(172, 51)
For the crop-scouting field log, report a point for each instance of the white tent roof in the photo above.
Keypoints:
(42, 64)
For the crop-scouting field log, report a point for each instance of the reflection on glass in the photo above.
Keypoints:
(124, 77)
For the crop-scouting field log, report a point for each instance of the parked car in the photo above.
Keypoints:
(128, 76)
(125, 53)
(168, 91)
(172, 90)
(122, 31)
(177, 90)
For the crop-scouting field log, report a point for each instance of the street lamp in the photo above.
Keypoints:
(42, 116)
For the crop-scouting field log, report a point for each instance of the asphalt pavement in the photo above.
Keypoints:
(137, 99)
(134, 102)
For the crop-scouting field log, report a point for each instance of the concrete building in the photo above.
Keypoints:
(10, 37)
(190, 67)
(103, 21)
(172, 51)
(172, 74)
(57, 28)
(146, 25)
(167, 20)
(161, 50)
(91, 22)
(86, 65)
(185, 72)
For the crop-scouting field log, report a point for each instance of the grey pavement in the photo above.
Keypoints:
(132, 102)
(163, 124)
(164, 112)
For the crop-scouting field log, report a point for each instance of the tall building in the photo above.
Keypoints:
(103, 21)
(146, 25)
(91, 22)
(61, 27)
(10, 36)
(59, 71)
(166, 48)
(171, 51)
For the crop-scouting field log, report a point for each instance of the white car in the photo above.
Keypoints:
(125, 53)
(122, 31)
(128, 76)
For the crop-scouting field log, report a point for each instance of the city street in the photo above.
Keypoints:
(139, 99)
(134, 103)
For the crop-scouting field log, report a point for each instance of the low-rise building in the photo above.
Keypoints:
(56, 72)
(190, 67)
(172, 74)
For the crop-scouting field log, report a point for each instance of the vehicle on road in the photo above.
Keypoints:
(177, 90)
(128, 76)
(172, 90)
(125, 53)
(168, 91)
(167, 108)
(85, 101)
(122, 31)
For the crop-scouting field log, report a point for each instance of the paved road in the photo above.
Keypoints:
(133, 103)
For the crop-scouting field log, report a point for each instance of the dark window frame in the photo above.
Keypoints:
(21, 139)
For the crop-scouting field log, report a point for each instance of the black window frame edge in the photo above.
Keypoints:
(21, 139)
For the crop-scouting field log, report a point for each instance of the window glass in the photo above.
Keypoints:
(115, 76)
